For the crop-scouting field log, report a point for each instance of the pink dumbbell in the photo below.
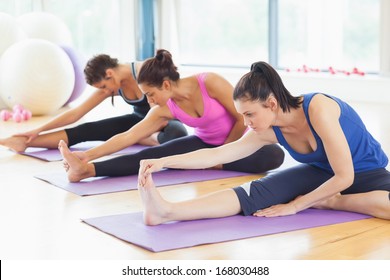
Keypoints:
(5, 115)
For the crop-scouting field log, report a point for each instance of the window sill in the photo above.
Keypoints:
(368, 88)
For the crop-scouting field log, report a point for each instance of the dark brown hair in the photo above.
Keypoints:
(260, 83)
(157, 69)
(96, 67)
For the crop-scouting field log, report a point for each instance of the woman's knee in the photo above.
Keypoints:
(174, 129)
(271, 157)
(275, 155)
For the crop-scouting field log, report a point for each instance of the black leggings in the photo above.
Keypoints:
(267, 158)
(285, 185)
(103, 130)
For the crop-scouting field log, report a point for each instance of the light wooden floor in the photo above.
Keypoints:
(39, 221)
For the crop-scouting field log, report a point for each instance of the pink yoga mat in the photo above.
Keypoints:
(130, 228)
(101, 185)
(55, 155)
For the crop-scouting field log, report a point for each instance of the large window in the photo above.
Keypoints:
(317, 33)
(288, 33)
(16, 7)
(222, 32)
(97, 26)
(329, 33)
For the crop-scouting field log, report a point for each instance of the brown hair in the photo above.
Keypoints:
(96, 67)
(260, 83)
(157, 69)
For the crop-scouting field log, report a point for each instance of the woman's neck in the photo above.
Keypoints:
(185, 88)
(293, 120)
(125, 75)
(128, 83)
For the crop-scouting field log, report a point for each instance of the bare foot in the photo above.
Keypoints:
(326, 203)
(15, 143)
(216, 167)
(76, 169)
(156, 209)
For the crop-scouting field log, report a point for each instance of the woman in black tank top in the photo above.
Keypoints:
(110, 78)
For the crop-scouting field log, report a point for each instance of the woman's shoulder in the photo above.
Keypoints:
(161, 112)
(205, 75)
(212, 79)
(136, 67)
(211, 75)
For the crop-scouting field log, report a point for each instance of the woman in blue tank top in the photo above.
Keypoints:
(342, 167)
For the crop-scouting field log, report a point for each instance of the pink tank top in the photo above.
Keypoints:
(214, 126)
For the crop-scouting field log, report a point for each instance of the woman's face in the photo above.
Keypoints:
(259, 116)
(155, 95)
(108, 84)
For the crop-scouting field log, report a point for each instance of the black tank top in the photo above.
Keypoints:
(141, 106)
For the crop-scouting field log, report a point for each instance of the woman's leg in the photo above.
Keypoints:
(104, 129)
(127, 164)
(174, 129)
(267, 158)
(369, 194)
(49, 140)
(374, 203)
(215, 205)
(101, 130)
(15, 143)
(280, 187)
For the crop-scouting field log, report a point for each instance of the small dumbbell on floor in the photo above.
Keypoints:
(18, 114)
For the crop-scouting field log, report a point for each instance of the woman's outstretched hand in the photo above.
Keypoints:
(30, 135)
(147, 167)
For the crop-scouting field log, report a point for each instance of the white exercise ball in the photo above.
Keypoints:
(2, 104)
(37, 74)
(10, 31)
(42, 25)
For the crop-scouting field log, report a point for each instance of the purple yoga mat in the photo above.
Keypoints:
(101, 185)
(55, 155)
(130, 228)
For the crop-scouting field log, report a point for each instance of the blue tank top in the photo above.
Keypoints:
(141, 106)
(366, 152)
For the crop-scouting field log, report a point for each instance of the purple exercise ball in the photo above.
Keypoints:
(78, 66)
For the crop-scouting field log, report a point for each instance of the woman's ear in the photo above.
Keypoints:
(166, 85)
(109, 73)
(272, 103)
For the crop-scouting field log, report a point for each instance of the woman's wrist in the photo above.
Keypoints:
(88, 156)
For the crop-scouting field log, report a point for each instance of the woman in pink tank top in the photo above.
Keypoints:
(203, 102)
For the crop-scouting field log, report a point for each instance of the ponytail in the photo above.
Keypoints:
(260, 83)
(157, 69)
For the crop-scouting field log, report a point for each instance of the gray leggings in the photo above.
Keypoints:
(285, 185)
